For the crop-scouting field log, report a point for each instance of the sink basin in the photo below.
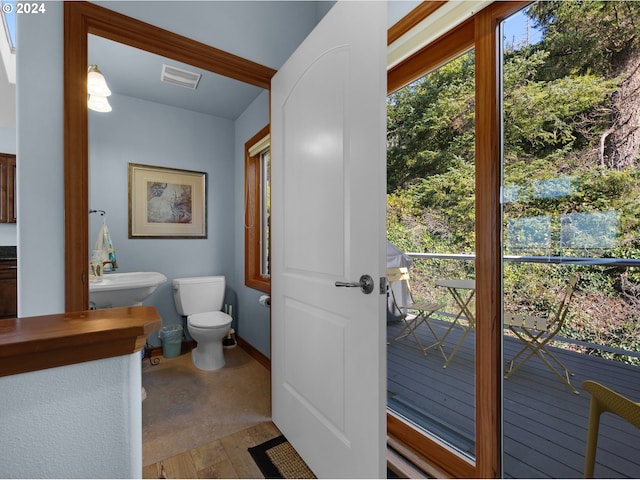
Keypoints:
(123, 289)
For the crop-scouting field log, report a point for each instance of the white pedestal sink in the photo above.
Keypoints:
(123, 289)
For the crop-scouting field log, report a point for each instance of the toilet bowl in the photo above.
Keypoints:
(200, 300)
(208, 329)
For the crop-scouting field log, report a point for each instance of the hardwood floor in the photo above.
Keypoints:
(198, 424)
(224, 458)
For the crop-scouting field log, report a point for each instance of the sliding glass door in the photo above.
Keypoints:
(570, 199)
(444, 223)
(431, 225)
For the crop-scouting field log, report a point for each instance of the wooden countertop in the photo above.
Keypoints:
(35, 343)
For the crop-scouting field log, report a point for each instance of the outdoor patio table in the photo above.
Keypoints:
(462, 292)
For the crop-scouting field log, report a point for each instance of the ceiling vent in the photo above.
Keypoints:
(178, 76)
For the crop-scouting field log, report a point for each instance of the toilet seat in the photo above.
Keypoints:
(209, 320)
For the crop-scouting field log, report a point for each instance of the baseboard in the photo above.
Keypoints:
(187, 346)
(256, 354)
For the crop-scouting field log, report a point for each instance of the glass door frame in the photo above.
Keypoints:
(482, 33)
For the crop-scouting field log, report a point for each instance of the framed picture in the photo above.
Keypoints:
(167, 202)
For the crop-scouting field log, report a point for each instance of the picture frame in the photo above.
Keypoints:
(167, 202)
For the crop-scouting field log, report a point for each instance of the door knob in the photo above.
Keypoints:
(365, 284)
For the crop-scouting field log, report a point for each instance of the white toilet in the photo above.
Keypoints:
(200, 300)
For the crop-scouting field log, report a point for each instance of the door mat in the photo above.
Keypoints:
(276, 458)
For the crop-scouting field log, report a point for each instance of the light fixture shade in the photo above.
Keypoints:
(96, 84)
(99, 103)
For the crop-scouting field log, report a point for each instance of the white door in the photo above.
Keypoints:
(328, 134)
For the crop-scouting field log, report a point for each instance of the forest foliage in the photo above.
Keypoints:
(571, 137)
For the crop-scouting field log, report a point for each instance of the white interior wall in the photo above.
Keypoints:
(8, 139)
(7, 99)
(80, 421)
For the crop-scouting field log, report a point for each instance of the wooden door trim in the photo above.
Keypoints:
(439, 456)
(488, 351)
(413, 18)
(444, 49)
(489, 355)
(81, 19)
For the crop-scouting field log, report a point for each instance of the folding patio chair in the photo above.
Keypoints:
(605, 400)
(412, 314)
(537, 332)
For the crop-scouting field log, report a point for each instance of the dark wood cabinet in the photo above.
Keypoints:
(7, 188)
(8, 288)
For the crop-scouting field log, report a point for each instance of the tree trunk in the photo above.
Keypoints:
(622, 145)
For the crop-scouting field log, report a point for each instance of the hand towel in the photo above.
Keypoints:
(105, 246)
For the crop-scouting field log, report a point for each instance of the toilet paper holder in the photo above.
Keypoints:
(265, 300)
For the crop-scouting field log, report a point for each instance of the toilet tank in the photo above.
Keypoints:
(198, 294)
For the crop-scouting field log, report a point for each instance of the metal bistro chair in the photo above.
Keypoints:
(605, 400)
(412, 314)
(537, 332)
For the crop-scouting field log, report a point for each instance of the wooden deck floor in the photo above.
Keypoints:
(545, 423)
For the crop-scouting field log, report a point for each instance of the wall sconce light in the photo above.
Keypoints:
(98, 90)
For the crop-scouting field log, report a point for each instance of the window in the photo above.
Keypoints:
(8, 37)
(9, 22)
(257, 168)
(562, 219)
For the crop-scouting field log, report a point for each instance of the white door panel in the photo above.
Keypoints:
(313, 120)
(328, 224)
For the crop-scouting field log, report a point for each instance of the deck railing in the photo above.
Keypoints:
(554, 260)
(610, 262)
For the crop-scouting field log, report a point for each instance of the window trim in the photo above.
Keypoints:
(253, 277)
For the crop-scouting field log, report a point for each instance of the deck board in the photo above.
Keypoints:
(545, 423)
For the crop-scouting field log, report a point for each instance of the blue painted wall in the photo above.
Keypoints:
(253, 319)
(137, 131)
(40, 147)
